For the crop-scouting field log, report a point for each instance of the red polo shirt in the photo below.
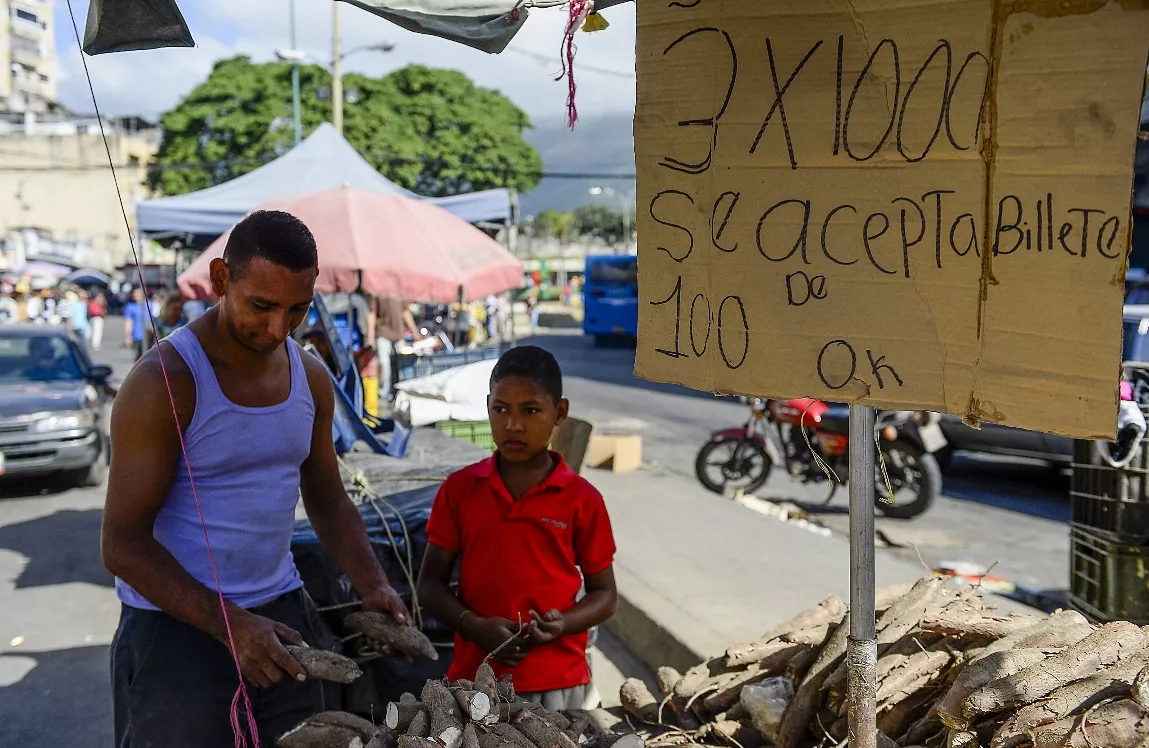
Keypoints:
(519, 556)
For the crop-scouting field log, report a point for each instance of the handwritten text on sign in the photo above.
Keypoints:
(912, 204)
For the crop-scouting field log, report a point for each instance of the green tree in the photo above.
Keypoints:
(432, 131)
(602, 223)
(555, 224)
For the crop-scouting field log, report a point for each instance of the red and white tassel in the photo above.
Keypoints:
(578, 11)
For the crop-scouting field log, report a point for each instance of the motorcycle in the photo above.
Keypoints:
(810, 438)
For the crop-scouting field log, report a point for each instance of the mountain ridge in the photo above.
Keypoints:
(602, 144)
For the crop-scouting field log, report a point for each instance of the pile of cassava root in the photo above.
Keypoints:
(484, 713)
(950, 674)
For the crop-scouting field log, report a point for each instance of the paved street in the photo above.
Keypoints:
(57, 606)
(1009, 513)
(59, 610)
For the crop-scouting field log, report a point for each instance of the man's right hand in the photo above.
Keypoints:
(259, 645)
(490, 633)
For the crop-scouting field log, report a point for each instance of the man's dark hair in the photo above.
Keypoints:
(533, 363)
(273, 235)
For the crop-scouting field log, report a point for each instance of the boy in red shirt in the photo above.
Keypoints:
(528, 534)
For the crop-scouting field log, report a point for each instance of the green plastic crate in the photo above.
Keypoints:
(1109, 581)
(476, 432)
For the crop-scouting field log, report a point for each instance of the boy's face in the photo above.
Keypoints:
(523, 417)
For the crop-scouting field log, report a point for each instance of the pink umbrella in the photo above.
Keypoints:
(398, 247)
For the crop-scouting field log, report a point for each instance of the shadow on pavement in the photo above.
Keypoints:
(61, 547)
(64, 699)
(23, 488)
(1029, 488)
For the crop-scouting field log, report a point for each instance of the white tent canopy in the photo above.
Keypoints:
(324, 160)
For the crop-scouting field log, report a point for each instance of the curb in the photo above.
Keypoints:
(648, 640)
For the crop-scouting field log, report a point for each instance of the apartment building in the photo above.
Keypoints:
(28, 51)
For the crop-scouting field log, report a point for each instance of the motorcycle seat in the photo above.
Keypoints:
(836, 419)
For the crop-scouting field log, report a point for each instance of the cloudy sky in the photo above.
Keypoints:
(148, 83)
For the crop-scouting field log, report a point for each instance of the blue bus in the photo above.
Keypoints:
(610, 297)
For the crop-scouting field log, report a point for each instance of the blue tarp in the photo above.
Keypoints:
(323, 161)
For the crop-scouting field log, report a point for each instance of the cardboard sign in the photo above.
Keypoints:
(907, 203)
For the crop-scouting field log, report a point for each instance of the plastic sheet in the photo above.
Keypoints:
(766, 702)
(124, 25)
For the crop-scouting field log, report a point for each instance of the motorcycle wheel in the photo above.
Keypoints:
(733, 464)
(913, 473)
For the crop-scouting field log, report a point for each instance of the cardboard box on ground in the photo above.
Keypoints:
(911, 204)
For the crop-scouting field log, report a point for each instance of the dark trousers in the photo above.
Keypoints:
(172, 684)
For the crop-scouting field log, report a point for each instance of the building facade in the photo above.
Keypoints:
(58, 201)
(30, 80)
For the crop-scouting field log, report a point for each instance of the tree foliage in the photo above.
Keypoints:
(432, 131)
(555, 224)
(603, 223)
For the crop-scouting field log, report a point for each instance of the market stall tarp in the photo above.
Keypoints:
(458, 394)
(324, 160)
(488, 25)
(388, 245)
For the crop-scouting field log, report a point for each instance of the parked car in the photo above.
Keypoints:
(52, 405)
(1056, 450)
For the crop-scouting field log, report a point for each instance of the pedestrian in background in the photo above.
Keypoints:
(136, 318)
(76, 310)
(392, 322)
(51, 312)
(506, 314)
(533, 307)
(9, 310)
(33, 308)
(193, 308)
(97, 310)
(492, 308)
(170, 319)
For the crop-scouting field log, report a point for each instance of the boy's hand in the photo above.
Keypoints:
(490, 634)
(546, 628)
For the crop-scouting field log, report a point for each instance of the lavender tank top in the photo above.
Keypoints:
(246, 466)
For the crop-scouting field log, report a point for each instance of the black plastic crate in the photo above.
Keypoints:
(1102, 511)
(1111, 501)
(1107, 579)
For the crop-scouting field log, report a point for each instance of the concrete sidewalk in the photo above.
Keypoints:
(698, 573)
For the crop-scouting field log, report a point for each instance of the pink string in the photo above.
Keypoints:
(241, 695)
(241, 692)
(578, 10)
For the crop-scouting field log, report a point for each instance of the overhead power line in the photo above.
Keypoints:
(579, 68)
(542, 174)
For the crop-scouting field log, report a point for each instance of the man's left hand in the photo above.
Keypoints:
(387, 601)
(546, 628)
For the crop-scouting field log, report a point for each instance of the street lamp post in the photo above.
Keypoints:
(296, 111)
(624, 200)
(336, 71)
(295, 57)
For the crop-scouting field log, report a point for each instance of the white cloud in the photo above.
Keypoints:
(151, 82)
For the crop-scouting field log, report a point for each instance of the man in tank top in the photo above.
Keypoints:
(255, 414)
